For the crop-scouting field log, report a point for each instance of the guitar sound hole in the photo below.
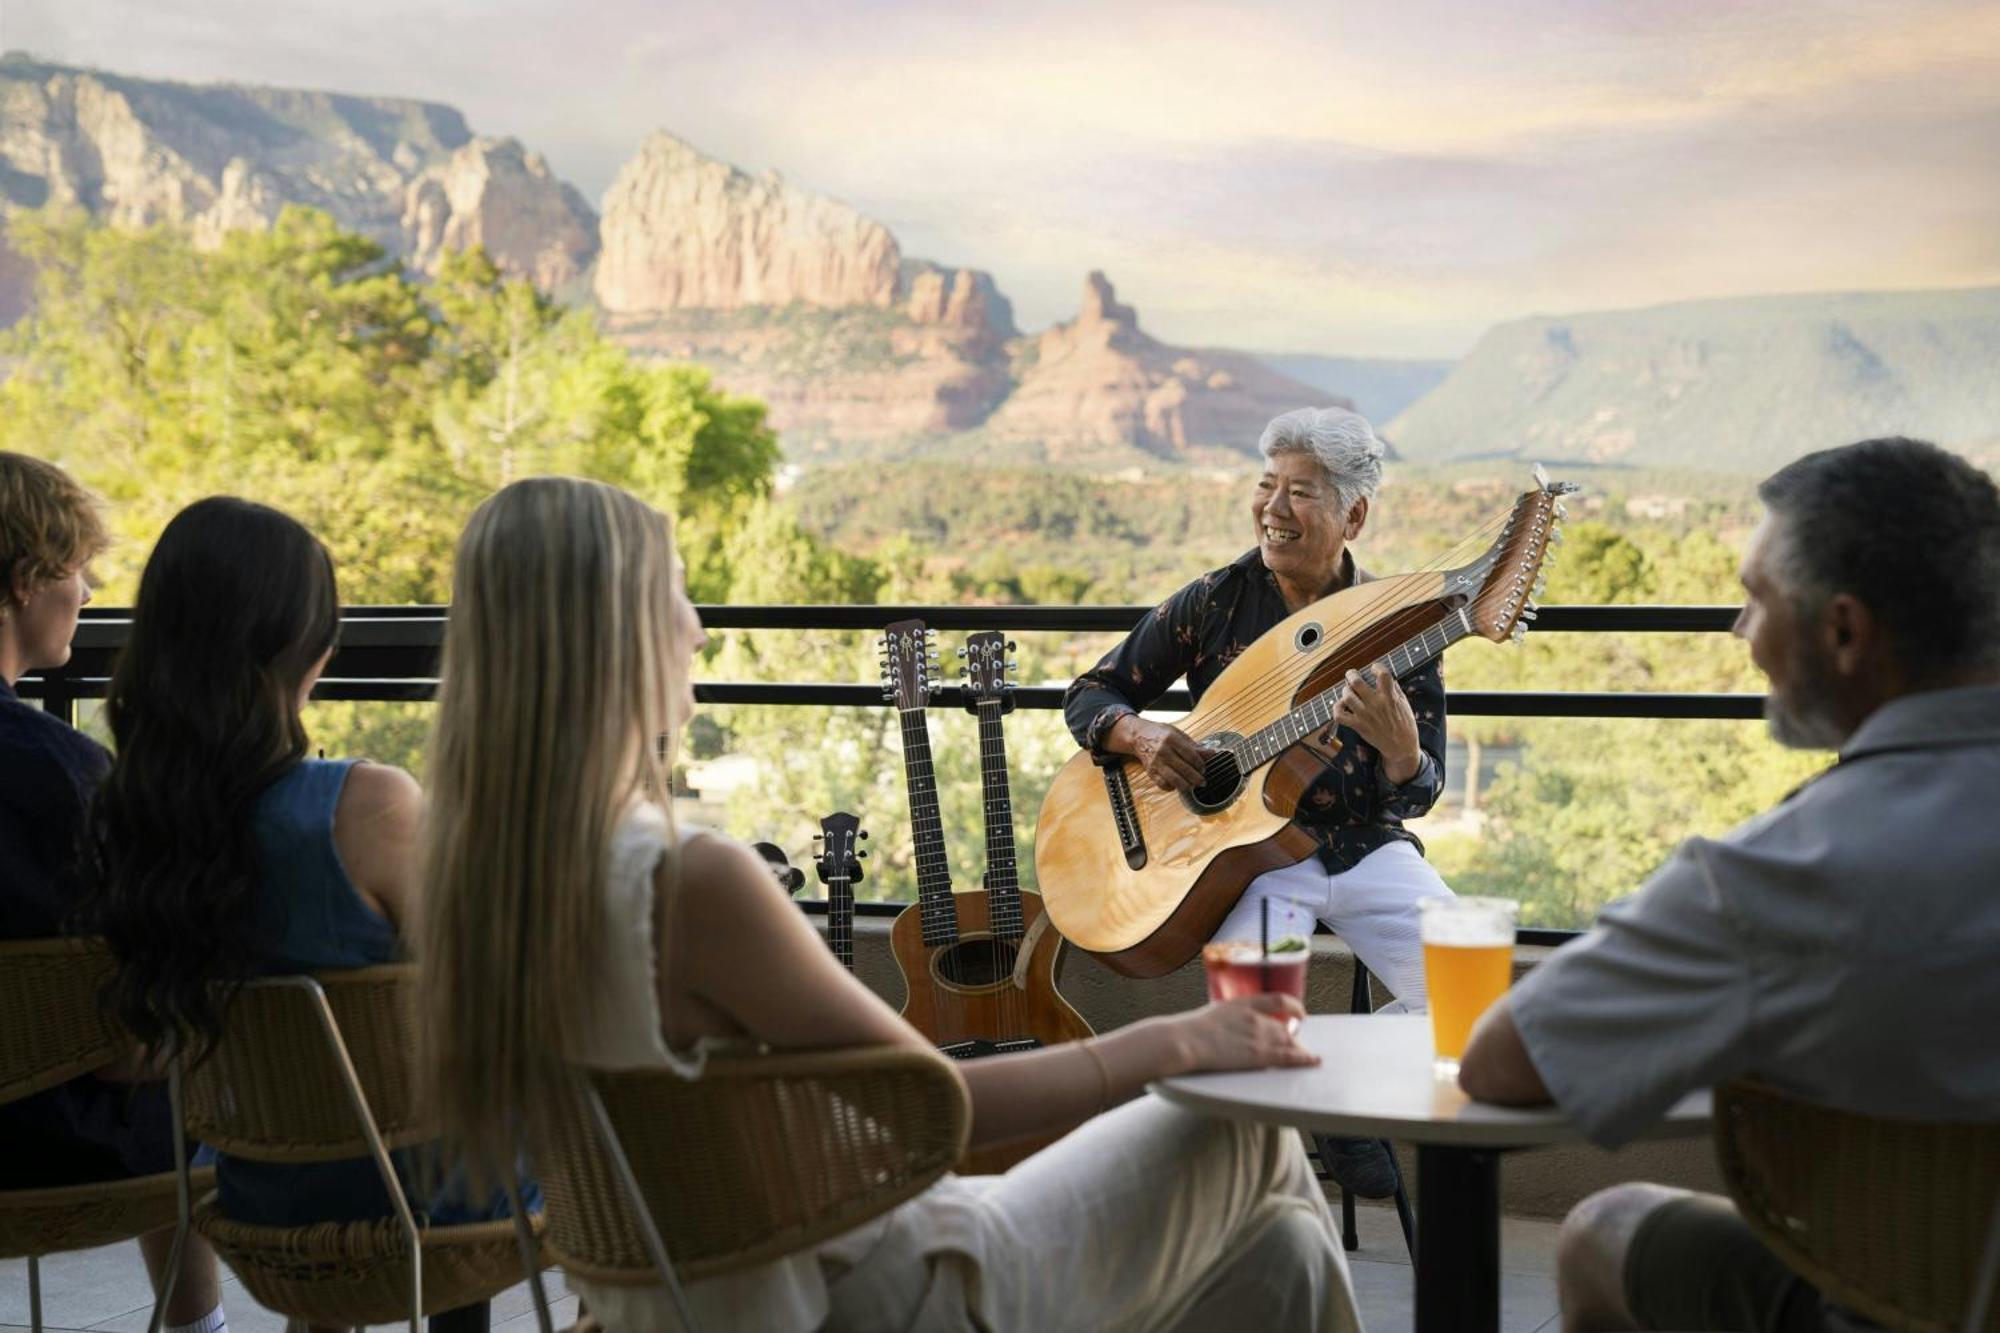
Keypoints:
(1224, 780)
(974, 963)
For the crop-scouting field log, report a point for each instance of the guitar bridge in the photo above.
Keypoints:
(1123, 813)
(975, 1048)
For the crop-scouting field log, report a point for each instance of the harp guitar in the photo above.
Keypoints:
(1143, 876)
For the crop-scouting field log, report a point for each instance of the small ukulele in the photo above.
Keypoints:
(839, 865)
(967, 989)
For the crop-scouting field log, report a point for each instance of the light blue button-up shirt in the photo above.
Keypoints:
(1844, 947)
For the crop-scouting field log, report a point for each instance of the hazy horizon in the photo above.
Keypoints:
(1386, 181)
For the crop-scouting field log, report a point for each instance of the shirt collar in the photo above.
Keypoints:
(1928, 719)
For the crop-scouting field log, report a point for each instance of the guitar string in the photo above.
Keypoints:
(1265, 699)
(1262, 692)
(1261, 695)
(1254, 700)
(1257, 700)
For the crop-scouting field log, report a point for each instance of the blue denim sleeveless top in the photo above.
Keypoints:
(310, 917)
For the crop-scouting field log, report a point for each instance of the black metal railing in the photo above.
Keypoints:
(389, 654)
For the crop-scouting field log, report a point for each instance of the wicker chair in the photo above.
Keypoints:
(763, 1156)
(317, 1070)
(1896, 1220)
(57, 983)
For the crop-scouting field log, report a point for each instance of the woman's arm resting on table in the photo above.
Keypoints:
(1058, 1088)
(1496, 1067)
(739, 952)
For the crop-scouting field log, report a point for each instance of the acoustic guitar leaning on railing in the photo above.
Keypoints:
(978, 968)
(1143, 876)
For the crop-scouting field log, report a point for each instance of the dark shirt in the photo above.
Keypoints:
(1353, 808)
(86, 1129)
(47, 772)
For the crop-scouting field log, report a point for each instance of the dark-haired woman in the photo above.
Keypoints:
(216, 850)
(98, 1126)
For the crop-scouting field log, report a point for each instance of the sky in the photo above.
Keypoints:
(1347, 177)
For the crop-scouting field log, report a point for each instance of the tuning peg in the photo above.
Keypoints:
(1010, 645)
(861, 854)
(1562, 510)
(961, 652)
(1555, 537)
(1520, 633)
(1541, 584)
(1528, 611)
(864, 835)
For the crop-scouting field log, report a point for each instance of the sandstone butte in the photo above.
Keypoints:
(788, 295)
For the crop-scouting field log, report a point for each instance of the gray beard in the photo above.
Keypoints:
(1805, 721)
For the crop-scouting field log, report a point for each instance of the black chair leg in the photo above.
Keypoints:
(465, 1319)
(1350, 1239)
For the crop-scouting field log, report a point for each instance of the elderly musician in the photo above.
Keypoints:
(1321, 469)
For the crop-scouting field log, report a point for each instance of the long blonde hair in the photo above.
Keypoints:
(550, 716)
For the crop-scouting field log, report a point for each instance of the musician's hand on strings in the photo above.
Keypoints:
(1376, 709)
(1168, 754)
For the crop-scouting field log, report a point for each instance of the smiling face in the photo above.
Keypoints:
(1297, 517)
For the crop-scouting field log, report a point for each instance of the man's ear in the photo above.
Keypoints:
(1357, 519)
(1849, 632)
(19, 586)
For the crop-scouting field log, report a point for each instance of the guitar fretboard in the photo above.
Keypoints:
(1003, 889)
(840, 919)
(940, 909)
(1262, 746)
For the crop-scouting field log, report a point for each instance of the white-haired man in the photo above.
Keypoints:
(1320, 472)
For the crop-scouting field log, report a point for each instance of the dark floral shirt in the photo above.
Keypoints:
(1351, 810)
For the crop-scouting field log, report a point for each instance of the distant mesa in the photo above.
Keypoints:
(1736, 385)
(862, 351)
(1100, 384)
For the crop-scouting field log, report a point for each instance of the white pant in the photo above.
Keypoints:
(1373, 907)
(1147, 1219)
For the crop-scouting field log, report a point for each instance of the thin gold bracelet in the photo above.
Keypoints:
(1089, 1046)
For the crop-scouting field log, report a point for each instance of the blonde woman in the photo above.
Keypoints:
(566, 923)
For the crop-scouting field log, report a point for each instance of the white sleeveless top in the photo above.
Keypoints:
(785, 1296)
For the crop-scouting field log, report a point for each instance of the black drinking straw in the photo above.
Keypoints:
(1264, 957)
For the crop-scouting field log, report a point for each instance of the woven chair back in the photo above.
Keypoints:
(272, 1088)
(762, 1156)
(60, 1031)
(1886, 1217)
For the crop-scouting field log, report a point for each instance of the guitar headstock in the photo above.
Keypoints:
(1510, 573)
(909, 664)
(839, 856)
(987, 669)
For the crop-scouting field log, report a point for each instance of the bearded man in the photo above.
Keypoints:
(1843, 946)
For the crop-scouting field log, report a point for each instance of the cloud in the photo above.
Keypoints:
(1379, 175)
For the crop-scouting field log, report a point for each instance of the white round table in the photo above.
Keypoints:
(1374, 1080)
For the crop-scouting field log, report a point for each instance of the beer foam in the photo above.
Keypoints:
(1467, 923)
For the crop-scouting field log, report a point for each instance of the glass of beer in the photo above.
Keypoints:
(1468, 964)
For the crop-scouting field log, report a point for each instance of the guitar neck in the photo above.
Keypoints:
(840, 919)
(1410, 656)
(1003, 888)
(940, 909)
